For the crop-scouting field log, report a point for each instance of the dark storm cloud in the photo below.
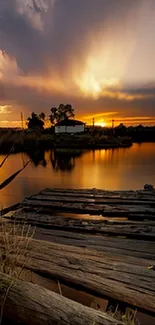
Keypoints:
(66, 30)
(19, 38)
(40, 101)
(68, 26)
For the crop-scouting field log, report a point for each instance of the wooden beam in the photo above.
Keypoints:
(31, 304)
(113, 199)
(113, 245)
(136, 230)
(122, 278)
(106, 210)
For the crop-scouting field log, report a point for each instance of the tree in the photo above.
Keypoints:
(120, 130)
(36, 121)
(61, 113)
(42, 116)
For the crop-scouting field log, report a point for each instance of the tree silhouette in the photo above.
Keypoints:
(36, 121)
(61, 113)
(42, 116)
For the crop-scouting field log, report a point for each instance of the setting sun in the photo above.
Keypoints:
(101, 123)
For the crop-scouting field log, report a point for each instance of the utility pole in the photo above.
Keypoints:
(22, 121)
(93, 122)
(113, 127)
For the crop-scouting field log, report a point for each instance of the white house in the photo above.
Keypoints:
(69, 126)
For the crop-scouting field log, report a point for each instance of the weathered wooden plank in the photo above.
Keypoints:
(123, 278)
(113, 199)
(40, 200)
(141, 230)
(119, 268)
(80, 232)
(93, 199)
(27, 304)
(101, 192)
(76, 207)
(106, 210)
(114, 245)
(64, 199)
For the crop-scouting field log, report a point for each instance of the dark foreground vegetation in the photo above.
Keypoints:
(37, 137)
(24, 140)
(33, 139)
(93, 138)
(138, 133)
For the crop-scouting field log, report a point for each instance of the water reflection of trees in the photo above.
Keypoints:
(37, 157)
(64, 160)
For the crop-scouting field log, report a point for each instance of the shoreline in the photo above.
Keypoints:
(42, 144)
(31, 140)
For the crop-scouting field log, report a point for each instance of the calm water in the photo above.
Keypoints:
(111, 169)
(117, 169)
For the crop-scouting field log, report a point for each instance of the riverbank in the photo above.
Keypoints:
(30, 140)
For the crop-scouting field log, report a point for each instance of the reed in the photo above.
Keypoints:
(12, 235)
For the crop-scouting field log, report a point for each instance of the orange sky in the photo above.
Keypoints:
(99, 58)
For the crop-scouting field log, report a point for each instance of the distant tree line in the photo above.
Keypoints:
(57, 115)
(138, 133)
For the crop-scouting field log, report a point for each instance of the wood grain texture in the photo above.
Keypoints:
(45, 218)
(107, 257)
(123, 278)
(130, 204)
(32, 304)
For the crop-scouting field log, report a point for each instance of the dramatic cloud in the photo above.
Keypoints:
(97, 55)
(6, 109)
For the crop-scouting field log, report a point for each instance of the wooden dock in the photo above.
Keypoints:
(101, 242)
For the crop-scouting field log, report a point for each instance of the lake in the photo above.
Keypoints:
(111, 169)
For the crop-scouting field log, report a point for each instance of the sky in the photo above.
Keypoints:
(98, 55)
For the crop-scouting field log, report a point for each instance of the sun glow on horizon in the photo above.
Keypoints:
(101, 123)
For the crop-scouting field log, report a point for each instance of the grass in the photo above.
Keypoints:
(59, 287)
(12, 236)
(30, 140)
(24, 140)
(127, 318)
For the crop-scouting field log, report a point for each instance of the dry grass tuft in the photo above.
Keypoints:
(12, 237)
(127, 318)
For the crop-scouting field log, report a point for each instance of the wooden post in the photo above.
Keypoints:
(22, 121)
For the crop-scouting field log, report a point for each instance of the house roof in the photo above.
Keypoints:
(69, 122)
